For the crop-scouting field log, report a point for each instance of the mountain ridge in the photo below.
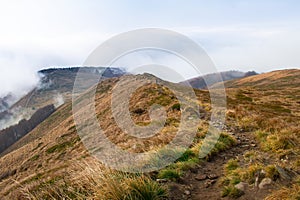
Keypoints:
(204, 81)
(55, 87)
(261, 136)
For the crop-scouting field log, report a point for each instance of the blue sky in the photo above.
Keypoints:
(237, 34)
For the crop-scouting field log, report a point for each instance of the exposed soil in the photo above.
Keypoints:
(203, 181)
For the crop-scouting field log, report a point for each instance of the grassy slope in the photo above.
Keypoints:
(59, 81)
(267, 106)
(51, 154)
(53, 148)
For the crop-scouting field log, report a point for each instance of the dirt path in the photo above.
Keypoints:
(202, 182)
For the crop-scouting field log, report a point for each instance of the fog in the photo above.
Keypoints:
(17, 77)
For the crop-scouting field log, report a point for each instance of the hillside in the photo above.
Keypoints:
(55, 87)
(12, 134)
(6, 102)
(256, 157)
(203, 81)
(276, 80)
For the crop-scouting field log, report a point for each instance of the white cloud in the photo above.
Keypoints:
(17, 76)
(249, 48)
(238, 34)
(21, 58)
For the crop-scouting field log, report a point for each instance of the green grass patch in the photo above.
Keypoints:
(171, 174)
(242, 97)
(232, 192)
(272, 172)
(62, 146)
(176, 106)
(232, 164)
(188, 154)
(275, 108)
(35, 157)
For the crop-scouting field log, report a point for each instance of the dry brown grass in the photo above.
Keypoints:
(96, 182)
(265, 106)
(50, 153)
(291, 193)
(46, 160)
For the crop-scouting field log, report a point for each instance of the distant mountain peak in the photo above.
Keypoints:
(202, 82)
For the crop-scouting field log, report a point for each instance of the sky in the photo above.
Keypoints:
(236, 34)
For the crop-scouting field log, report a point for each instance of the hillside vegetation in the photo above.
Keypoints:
(260, 141)
(202, 82)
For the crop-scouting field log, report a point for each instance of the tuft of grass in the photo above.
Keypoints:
(186, 165)
(292, 192)
(251, 155)
(172, 122)
(62, 146)
(165, 154)
(38, 146)
(188, 154)
(247, 123)
(242, 97)
(163, 100)
(234, 174)
(249, 173)
(96, 182)
(278, 140)
(261, 135)
(277, 108)
(145, 189)
(272, 172)
(118, 186)
(59, 147)
(224, 142)
(34, 158)
(232, 164)
(235, 180)
(171, 174)
(232, 192)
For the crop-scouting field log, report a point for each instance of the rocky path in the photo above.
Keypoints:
(202, 182)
